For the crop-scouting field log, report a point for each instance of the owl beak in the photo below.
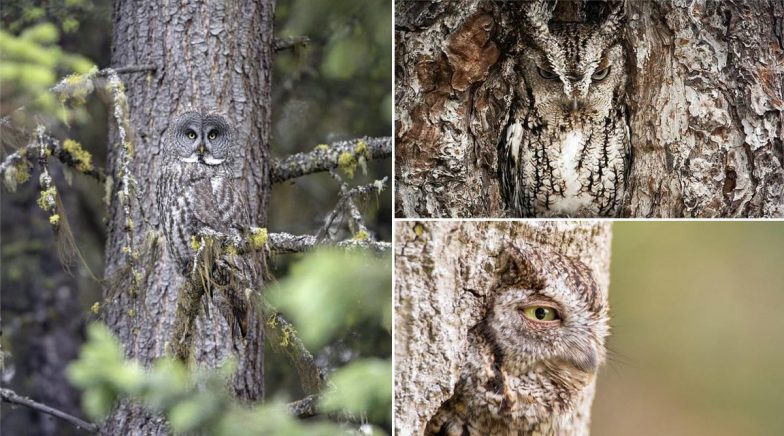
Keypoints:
(202, 150)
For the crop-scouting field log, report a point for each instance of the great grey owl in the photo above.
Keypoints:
(566, 148)
(533, 357)
(196, 191)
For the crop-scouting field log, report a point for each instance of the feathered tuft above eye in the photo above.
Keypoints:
(601, 74)
(547, 74)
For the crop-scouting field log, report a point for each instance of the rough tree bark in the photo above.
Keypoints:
(443, 274)
(211, 56)
(706, 96)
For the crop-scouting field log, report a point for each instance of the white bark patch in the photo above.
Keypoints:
(514, 135)
(572, 199)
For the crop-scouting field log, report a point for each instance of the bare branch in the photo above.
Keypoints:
(325, 158)
(130, 69)
(290, 42)
(12, 397)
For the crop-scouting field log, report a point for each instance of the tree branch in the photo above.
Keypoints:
(284, 243)
(325, 158)
(290, 42)
(304, 408)
(12, 397)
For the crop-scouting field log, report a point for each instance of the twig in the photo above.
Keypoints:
(346, 203)
(327, 158)
(12, 397)
(290, 42)
(128, 69)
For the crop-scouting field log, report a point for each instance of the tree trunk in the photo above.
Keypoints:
(444, 272)
(706, 98)
(212, 56)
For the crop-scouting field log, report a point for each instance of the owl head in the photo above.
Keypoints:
(200, 138)
(548, 322)
(572, 69)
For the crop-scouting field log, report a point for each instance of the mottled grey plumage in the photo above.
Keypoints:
(197, 191)
(524, 376)
(565, 150)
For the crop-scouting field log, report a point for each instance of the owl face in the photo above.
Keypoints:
(550, 327)
(575, 70)
(201, 139)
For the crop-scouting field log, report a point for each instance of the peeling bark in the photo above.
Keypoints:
(443, 276)
(212, 56)
(706, 100)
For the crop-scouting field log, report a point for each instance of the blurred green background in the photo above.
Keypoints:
(697, 343)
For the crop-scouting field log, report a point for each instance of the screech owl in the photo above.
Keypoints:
(565, 150)
(197, 191)
(534, 355)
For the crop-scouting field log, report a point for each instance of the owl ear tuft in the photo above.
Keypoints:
(517, 266)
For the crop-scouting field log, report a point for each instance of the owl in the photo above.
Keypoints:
(532, 358)
(565, 150)
(197, 191)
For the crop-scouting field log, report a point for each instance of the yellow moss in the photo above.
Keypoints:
(54, 219)
(132, 313)
(137, 276)
(286, 333)
(361, 236)
(258, 238)
(82, 158)
(419, 229)
(361, 148)
(46, 199)
(231, 250)
(272, 321)
(322, 147)
(348, 163)
(126, 249)
(129, 148)
(195, 243)
(96, 307)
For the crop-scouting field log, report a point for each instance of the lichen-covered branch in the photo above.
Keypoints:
(12, 397)
(291, 43)
(344, 154)
(283, 243)
(304, 408)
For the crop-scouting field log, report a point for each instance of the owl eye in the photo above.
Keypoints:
(541, 313)
(212, 135)
(601, 74)
(191, 134)
(547, 74)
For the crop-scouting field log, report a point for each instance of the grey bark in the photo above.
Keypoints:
(213, 56)
(442, 276)
(706, 97)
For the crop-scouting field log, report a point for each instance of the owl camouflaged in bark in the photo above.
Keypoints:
(566, 149)
(534, 355)
(197, 191)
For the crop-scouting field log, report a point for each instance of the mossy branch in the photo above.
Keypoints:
(291, 42)
(327, 157)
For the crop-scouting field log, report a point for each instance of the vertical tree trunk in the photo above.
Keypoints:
(444, 270)
(706, 101)
(213, 56)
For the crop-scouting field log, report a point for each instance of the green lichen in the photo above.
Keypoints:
(231, 250)
(46, 200)
(258, 238)
(132, 313)
(54, 219)
(195, 243)
(322, 147)
(95, 307)
(16, 174)
(361, 236)
(83, 160)
(272, 321)
(348, 163)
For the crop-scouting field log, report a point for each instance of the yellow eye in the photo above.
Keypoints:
(212, 135)
(191, 134)
(540, 313)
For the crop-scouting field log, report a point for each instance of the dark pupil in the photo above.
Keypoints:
(540, 313)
